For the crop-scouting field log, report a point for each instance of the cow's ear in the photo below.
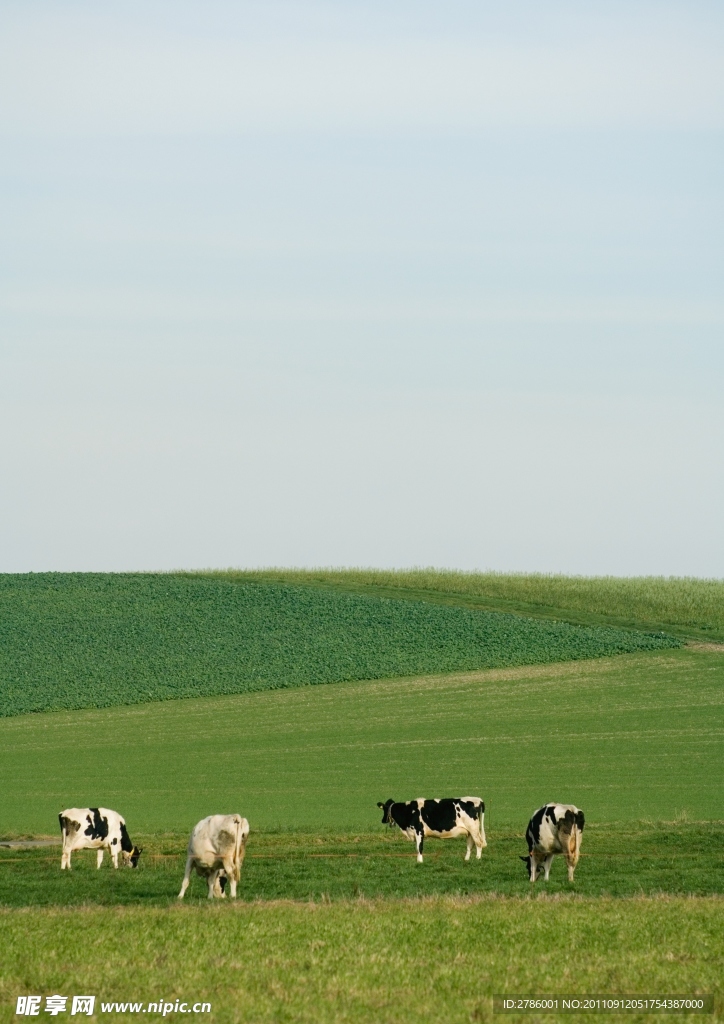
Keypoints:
(525, 859)
(379, 804)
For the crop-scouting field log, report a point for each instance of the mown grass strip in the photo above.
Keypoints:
(677, 858)
(438, 959)
(71, 641)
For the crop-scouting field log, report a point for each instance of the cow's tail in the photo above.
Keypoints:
(239, 842)
(578, 829)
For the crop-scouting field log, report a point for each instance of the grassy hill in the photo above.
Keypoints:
(687, 607)
(627, 738)
(98, 640)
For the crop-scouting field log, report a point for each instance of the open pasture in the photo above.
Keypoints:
(336, 922)
(99, 640)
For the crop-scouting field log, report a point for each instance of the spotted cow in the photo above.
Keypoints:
(216, 852)
(447, 818)
(555, 828)
(96, 828)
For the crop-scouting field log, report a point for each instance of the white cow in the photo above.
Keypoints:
(96, 828)
(216, 850)
(554, 828)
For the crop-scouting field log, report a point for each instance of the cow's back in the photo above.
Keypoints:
(90, 826)
(219, 835)
(75, 815)
(70, 826)
(553, 826)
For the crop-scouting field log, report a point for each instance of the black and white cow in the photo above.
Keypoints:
(555, 828)
(96, 828)
(216, 852)
(456, 816)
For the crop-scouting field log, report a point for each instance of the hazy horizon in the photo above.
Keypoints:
(317, 284)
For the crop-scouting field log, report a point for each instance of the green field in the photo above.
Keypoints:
(367, 961)
(336, 921)
(627, 738)
(98, 640)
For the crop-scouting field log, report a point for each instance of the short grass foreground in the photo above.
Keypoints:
(634, 859)
(386, 961)
(72, 641)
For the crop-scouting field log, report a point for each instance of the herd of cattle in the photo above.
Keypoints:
(218, 843)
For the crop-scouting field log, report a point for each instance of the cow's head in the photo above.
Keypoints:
(131, 858)
(386, 816)
(526, 861)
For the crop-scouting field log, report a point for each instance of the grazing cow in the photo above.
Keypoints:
(459, 816)
(96, 828)
(555, 828)
(216, 850)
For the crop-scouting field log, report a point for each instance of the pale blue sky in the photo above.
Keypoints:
(362, 284)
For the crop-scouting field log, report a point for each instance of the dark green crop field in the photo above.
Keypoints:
(99, 640)
(691, 608)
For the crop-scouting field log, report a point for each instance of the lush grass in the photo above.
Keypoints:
(687, 606)
(626, 860)
(625, 738)
(98, 640)
(367, 961)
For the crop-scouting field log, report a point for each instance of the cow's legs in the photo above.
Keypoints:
(187, 877)
(572, 855)
(99, 857)
(533, 866)
(231, 874)
(478, 837)
(219, 892)
(470, 846)
(547, 865)
(214, 887)
(418, 846)
(115, 855)
(65, 860)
